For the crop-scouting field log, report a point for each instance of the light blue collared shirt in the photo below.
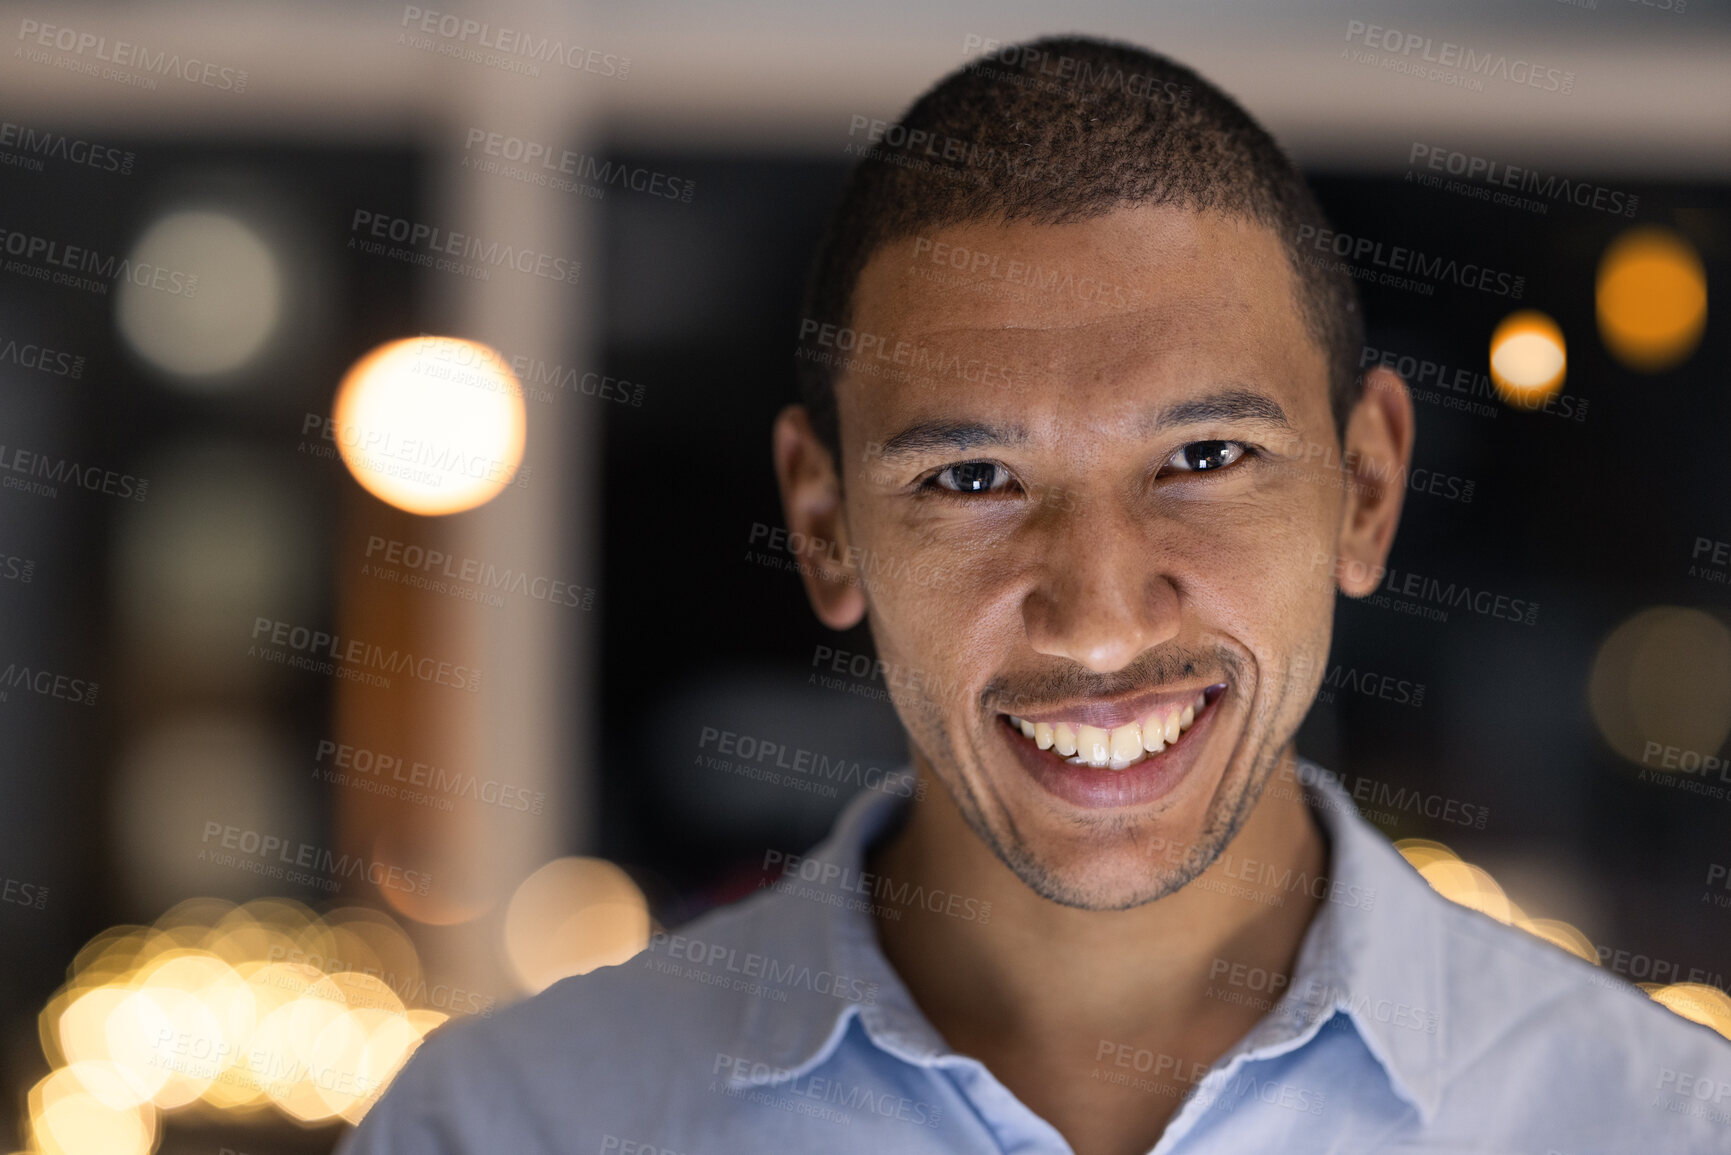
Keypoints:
(777, 1026)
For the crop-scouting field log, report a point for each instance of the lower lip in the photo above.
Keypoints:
(1149, 780)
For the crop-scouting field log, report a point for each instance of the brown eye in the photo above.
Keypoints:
(972, 477)
(1202, 456)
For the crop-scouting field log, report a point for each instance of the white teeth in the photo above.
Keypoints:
(1153, 734)
(1093, 745)
(1122, 746)
(1126, 745)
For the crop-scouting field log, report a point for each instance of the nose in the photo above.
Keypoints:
(1104, 595)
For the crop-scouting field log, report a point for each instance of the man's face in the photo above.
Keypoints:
(1069, 480)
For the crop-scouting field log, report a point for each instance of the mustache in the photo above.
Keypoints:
(1154, 670)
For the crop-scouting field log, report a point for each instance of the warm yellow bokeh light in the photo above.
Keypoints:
(82, 1028)
(1561, 934)
(1529, 358)
(232, 1008)
(67, 1117)
(377, 1055)
(361, 933)
(571, 916)
(426, 1019)
(1660, 688)
(1471, 886)
(176, 1031)
(1652, 299)
(1703, 1004)
(1421, 852)
(432, 425)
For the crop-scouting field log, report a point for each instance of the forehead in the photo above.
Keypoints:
(1094, 318)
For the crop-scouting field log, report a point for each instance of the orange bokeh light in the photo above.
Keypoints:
(1652, 299)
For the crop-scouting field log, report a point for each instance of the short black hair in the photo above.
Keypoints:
(1058, 130)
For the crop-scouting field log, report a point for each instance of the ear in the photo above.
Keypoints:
(1378, 452)
(811, 501)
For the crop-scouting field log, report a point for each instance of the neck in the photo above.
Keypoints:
(1042, 973)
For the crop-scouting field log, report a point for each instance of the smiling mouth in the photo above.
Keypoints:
(1121, 746)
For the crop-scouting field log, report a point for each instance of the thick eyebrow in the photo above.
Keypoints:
(963, 436)
(1230, 405)
(928, 436)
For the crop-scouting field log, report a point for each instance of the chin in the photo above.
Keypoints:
(1098, 845)
(1137, 863)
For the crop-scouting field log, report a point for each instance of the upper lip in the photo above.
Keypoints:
(1110, 713)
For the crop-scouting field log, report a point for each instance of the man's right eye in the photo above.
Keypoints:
(970, 477)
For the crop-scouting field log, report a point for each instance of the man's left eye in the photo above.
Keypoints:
(1202, 456)
(972, 477)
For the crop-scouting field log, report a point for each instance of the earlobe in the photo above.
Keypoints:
(811, 501)
(1376, 459)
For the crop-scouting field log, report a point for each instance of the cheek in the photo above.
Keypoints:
(942, 605)
(1251, 570)
(938, 620)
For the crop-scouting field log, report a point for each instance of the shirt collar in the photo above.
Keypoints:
(820, 914)
(1374, 954)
